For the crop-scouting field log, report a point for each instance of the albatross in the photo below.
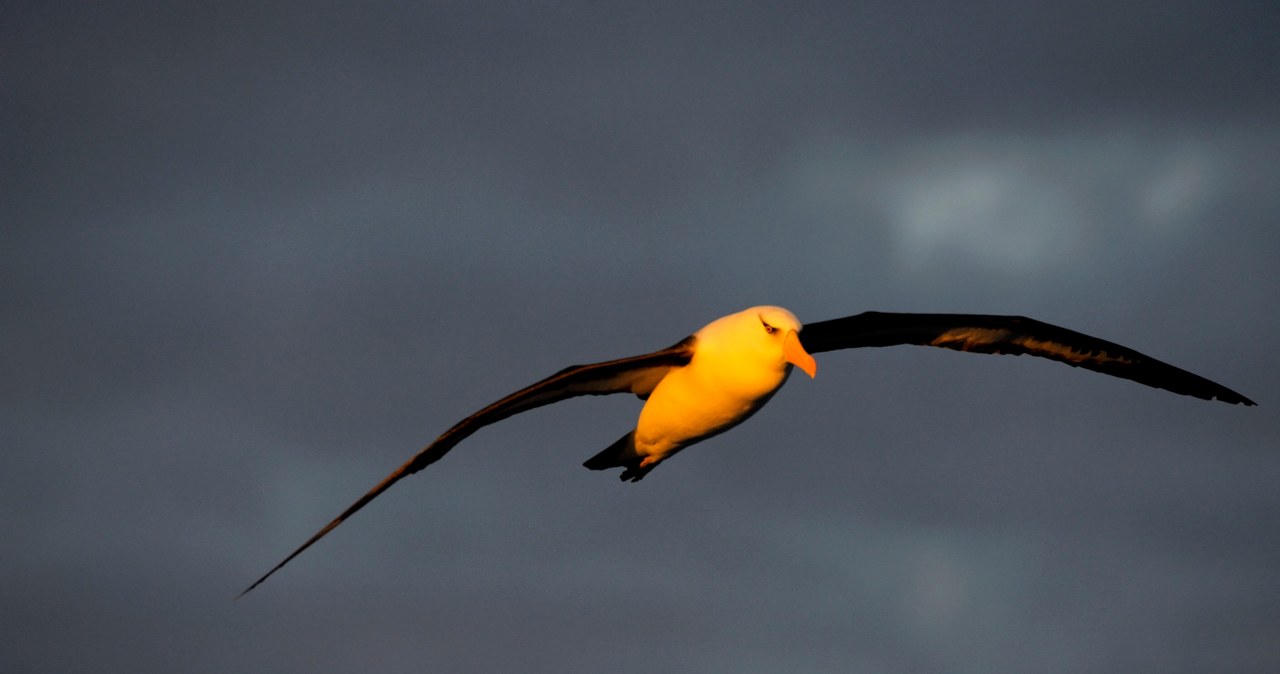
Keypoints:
(720, 375)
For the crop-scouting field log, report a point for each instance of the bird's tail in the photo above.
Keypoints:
(621, 454)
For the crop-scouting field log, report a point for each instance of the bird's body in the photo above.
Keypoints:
(722, 374)
(738, 363)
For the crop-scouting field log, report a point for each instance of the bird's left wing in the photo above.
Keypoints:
(1012, 335)
(637, 374)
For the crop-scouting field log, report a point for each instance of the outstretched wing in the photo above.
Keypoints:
(637, 374)
(1014, 335)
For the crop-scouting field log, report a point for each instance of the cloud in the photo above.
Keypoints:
(1018, 204)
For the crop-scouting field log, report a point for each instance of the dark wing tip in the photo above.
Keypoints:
(1226, 395)
(317, 536)
(414, 464)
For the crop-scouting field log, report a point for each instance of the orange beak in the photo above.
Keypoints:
(795, 354)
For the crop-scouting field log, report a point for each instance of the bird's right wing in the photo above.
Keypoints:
(637, 374)
(1012, 335)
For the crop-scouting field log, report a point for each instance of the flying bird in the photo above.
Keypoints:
(716, 378)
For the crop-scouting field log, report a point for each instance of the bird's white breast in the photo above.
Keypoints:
(727, 380)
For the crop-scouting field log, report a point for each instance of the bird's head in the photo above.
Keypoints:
(765, 332)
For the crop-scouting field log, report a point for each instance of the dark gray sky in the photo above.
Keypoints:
(254, 255)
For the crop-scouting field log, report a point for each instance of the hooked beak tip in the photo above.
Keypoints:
(795, 354)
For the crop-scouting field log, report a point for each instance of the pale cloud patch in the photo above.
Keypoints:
(1012, 203)
(1177, 190)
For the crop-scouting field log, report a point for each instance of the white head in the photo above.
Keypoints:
(760, 334)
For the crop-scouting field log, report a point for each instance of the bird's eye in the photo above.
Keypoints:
(769, 328)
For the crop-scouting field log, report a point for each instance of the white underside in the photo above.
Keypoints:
(727, 381)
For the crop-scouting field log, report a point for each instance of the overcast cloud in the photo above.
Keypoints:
(255, 255)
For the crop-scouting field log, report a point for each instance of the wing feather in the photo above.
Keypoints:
(1013, 335)
(637, 374)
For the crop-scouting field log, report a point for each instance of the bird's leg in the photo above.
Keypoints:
(636, 471)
